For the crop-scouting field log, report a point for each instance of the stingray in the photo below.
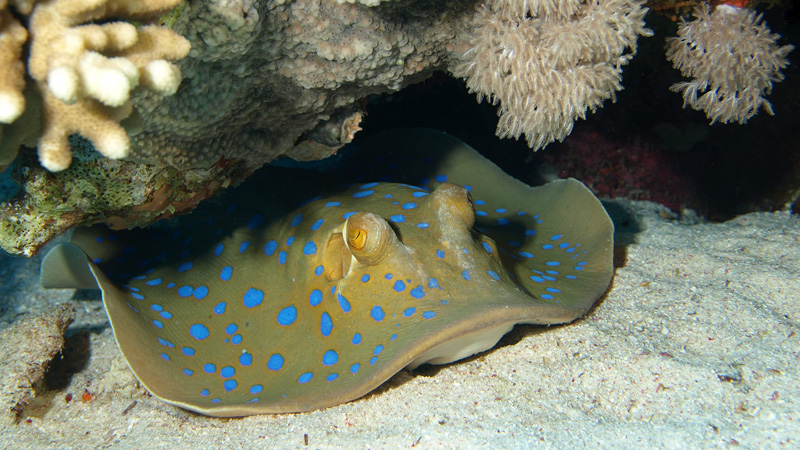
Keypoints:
(260, 302)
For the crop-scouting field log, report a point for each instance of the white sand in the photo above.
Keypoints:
(696, 346)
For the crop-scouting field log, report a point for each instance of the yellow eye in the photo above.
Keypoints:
(368, 237)
(356, 238)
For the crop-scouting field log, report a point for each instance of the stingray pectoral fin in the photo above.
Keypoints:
(485, 328)
(66, 266)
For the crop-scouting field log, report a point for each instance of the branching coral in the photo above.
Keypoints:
(733, 59)
(545, 62)
(86, 71)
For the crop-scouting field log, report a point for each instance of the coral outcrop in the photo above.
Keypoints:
(545, 62)
(732, 58)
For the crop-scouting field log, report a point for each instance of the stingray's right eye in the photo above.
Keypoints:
(368, 237)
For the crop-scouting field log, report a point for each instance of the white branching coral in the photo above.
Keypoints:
(732, 58)
(85, 71)
(545, 62)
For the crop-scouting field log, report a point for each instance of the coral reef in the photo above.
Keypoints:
(26, 349)
(732, 58)
(547, 61)
(85, 71)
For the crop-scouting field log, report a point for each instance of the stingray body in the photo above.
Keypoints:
(257, 305)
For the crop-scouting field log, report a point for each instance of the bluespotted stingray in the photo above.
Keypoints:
(259, 302)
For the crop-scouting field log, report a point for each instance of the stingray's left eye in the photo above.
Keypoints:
(368, 237)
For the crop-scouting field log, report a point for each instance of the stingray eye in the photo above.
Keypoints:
(368, 237)
(453, 205)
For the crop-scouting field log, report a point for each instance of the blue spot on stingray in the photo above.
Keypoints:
(419, 194)
(429, 314)
(440, 178)
(200, 292)
(226, 273)
(487, 247)
(348, 214)
(537, 279)
(393, 336)
(388, 276)
(137, 296)
(399, 286)
(329, 204)
(530, 232)
(356, 339)
(362, 194)
(275, 362)
(433, 283)
(154, 282)
(552, 263)
(547, 246)
(417, 292)
(165, 315)
(481, 213)
(165, 342)
(552, 289)
(397, 218)
(583, 263)
(373, 360)
(243, 246)
(315, 298)
(171, 285)
(409, 312)
(296, 220)
(547, 296)
(254, 221)
(440, 253)
(365, 278)
(227, 372)
(310, 248)
(526, 254)
(99, 239)
(317, 224)
(332, 377)
(253, 297)
(465, 275)
(305, 378)
(343, 303)
(282, 257)
(503, 221)
(423, 225)
(501, 210)
(465, 251)
(230, 329)
(256, 388)
(220, 308)
(563, 245)
(188, 372)
(188, 351)
(325, 324)
(165, 356)
(209, 368)
(205, 393)
(289, 241)
(368, 185)
(330, 358)
(578, 268)
(287, 315)
(318, 271)
(378, 350)
(354, 368)
(493, 274)
(270, 247)
(480, 202)
(570, 277)
(409, 205)
(377, 313)
(185, 291)
(184, 267)
(229, 385)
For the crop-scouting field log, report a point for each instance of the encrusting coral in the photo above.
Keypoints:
(732, 58)
(545, 62)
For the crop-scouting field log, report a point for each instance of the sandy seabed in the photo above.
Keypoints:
(696, 345)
